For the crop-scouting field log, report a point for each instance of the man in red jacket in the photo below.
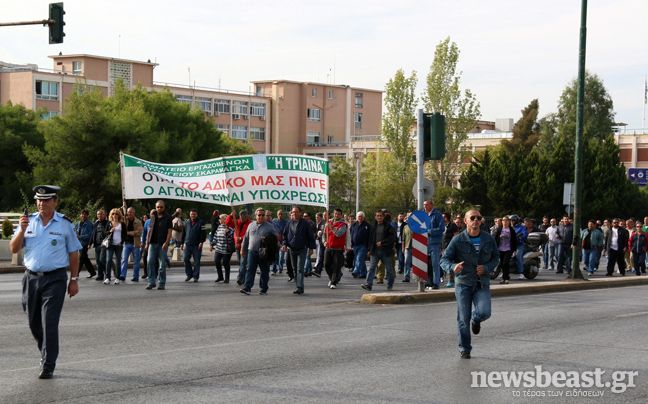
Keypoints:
(335, 243)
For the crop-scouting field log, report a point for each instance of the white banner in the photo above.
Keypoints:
(236, 180)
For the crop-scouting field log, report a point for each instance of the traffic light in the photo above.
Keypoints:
(56, 13)
(434, 137)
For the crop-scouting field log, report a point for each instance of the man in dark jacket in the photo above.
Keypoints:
(565, 234)
(83, 230)
(193, 237)
(616, 243)
(360, 234)
(99, 232)
(157, 244)
(298, 236)
(381, 242)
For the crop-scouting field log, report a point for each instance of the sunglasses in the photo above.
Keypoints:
(475, 217)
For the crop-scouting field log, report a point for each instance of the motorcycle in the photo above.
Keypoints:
(530, 259)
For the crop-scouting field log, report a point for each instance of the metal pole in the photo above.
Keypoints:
(357, 208)
(578, 166)
(420, 163)
(43, 22)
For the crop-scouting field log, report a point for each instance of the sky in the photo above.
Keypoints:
(512, 51)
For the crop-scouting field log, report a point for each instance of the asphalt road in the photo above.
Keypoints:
(207, 343)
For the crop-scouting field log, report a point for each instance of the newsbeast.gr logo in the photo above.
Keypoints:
(541, 379)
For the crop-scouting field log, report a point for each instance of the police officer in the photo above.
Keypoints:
(50, 246)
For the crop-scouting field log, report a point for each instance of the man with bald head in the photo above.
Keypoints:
(471, 255)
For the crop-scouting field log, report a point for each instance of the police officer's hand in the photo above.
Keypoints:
(459, 267)
(73, 288)
(24, 222)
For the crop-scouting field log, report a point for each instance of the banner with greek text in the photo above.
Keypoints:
(237, 180)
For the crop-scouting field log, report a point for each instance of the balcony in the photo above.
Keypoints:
(324, 144)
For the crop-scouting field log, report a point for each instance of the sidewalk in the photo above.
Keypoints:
(547, 281)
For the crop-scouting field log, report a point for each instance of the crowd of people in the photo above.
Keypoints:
(376, 252)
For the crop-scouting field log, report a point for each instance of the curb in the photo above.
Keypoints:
(502, 290)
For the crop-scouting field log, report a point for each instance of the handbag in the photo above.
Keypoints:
(107, 241)
(231, 247)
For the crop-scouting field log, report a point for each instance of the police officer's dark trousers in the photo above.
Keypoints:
(42, 300)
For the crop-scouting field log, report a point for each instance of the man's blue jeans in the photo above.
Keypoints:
(156, 253)
(551, 252)
(564, 257)
(100, 257)
(519, 257)
(298, 259)
(242, 259)
(589, 259)
(189, 251)
(253, 260)
(359, 265)
(128, 249)
(434, 253)
(400, 257)
(467, 296)
(380, 255)
(408, 263)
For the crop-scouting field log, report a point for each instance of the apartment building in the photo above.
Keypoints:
(278, 117)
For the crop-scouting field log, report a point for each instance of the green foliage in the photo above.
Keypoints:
(342, 184)
(18, 128)
(82, 147)
(382, 186)
(461, 110)
(7, 228)
(531, 184)
(526, 130)
(598, 115)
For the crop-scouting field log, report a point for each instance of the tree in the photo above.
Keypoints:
(381, 187)
(598, 114)
(342, 184)
(461, 111)
(526, 129)
(473, 182)
(397, 122)
(18, 128)
(82, 146)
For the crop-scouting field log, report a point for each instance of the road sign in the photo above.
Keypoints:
(419, 255)
(568, 193)
(428, 189)
(638, 176)
(419, 222)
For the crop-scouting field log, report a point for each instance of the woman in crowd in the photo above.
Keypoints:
(223, 242)
(118, 235)
(506, 240)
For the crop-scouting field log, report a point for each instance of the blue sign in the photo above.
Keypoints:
(419, 222)
(638, 176)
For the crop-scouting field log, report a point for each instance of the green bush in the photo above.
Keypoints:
(7, 228)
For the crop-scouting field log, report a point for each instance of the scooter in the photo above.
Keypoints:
(530, 259)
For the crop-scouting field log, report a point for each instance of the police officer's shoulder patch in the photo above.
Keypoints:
(68, 219)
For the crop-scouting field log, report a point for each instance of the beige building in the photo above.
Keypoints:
(278, 117)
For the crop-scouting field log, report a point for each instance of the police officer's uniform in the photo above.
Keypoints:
(45, 282)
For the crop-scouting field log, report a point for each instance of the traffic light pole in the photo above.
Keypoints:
(420, 159)
(43, 22)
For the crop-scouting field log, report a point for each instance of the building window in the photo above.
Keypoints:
(358, 101)
(222, 106)
(258, 90)
(46, 90)
(358, 120)
(330, 139)
(257, 133)
(82, 88)
(223, 128)
(312, 138)
(183, 99)
(257, 109)
(330, 94)
(48, 115)
(313, 114)
(239, 107)
(314, 92)
(77, 67)
(205, 104)
(239, 132)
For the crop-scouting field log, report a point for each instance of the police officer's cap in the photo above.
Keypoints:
(45, 192)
